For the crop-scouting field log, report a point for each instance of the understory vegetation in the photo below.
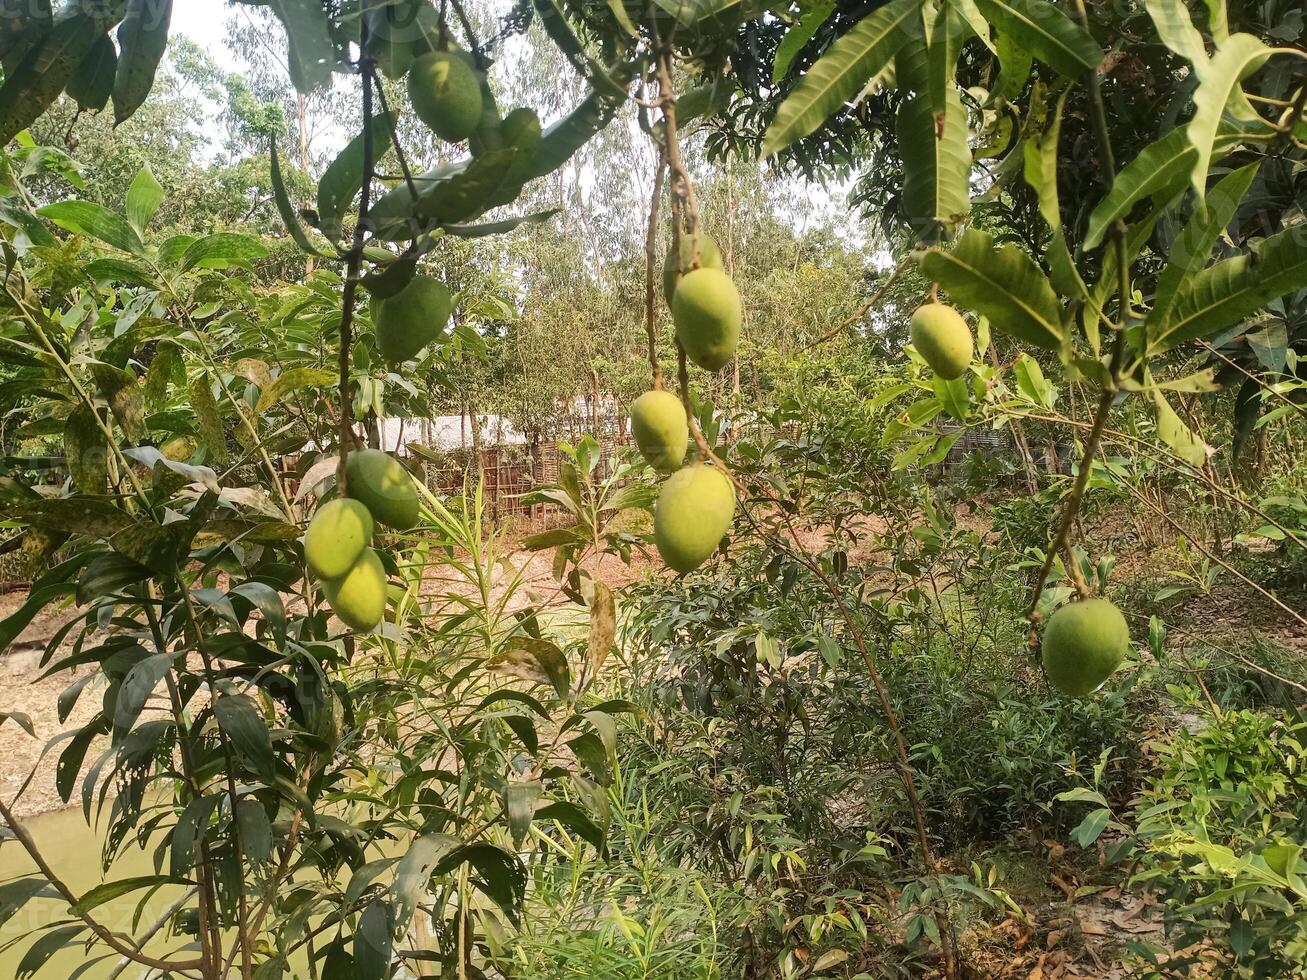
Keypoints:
(909, 573)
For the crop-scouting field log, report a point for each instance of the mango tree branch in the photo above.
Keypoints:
(107, 937)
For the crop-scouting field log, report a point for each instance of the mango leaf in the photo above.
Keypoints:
(471, 191)
(1092, 827)
(143, 199)
(1224, 294)
(126, 400)
(86, 451)
(207, 418)
(374, 941)
(520, 799)
(242, 722)
(535, 660)
(312, 55)
(413, 875)
(255, 831)
(222, 250)
(135, 691)
(603, 626)
(27, 23)
(121, 270)
(1040, 172)
(498, 874)
(190, 830)
(975, 20)
(798, 36)
(1015, 62)
(109, 890)
(17, 893)
(46, 68)
(21, 720)
(1172, 431)
(343, 179)
(89, 218)
(840, 73)
(1177, 31)
(947, 36)
(284, 208)
(1159, 170)
(936, 163)
(1046, 32)
(142, 37)
(92, 81)
(954, 395)
(92, 516)
(1218, 81)
(293, 379)
(498, 227)
(1003, 284)
(39, 953)
(1192, 247)
(1032, 383)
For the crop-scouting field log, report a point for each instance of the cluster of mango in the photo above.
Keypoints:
(337, 544)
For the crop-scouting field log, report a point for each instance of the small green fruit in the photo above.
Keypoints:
(692, 515)
(445, 93)
(358, 598)
(412, 318)
(337, 535)
(1083, 643)
(660, 429)
(943, 338)
(679, 261)
(706, 311)
(382, 485)
(521, 128)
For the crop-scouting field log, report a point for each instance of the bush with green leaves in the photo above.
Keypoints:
(1220, 842)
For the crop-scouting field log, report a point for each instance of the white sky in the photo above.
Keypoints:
(205, 23)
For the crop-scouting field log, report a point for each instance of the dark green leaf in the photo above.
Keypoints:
(47, 67)
(374, 942)
(1225, 293)
(19, 719)
(15, 894)
(136, 689)
(343, 179)
(243, 724)
(520, 800)
(840, 73)
(142, 37)
(936, 163)
(798, 36)
(284, 207)
(255, 831)
(86, 451)
(40, 951)
(312, 55)
(72, 757)
(190, 830)
(1046, 32)
(121, 270)
(92, 81)
(110, 890)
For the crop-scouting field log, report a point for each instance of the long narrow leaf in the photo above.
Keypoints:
(840, 73)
